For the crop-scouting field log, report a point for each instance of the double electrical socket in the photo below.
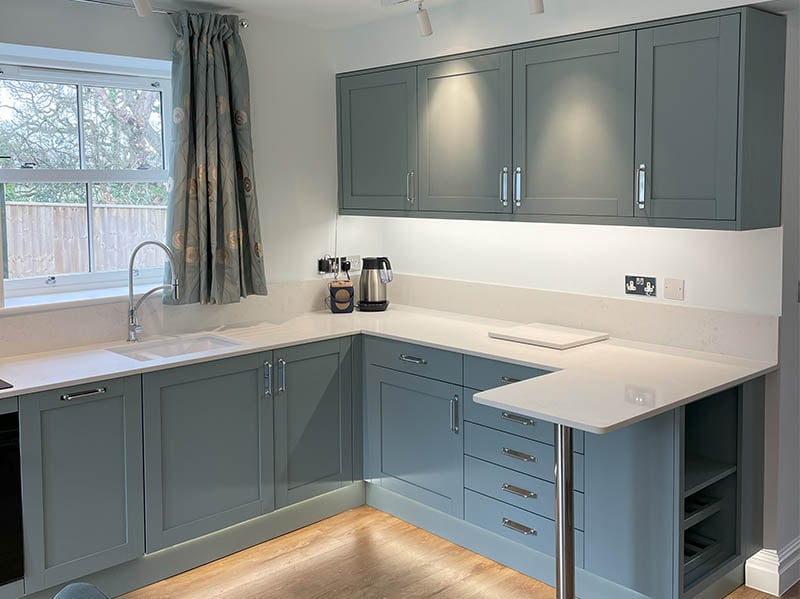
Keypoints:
(332, 264)
(636, 285)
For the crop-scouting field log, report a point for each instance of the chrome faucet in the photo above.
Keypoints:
(134, 328)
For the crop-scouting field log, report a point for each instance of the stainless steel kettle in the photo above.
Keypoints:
(376, 273)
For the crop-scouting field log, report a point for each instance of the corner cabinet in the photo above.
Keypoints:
(208, 448)
(414, 423)
(81, 456)
(313, 419)
(378, 140)
(675, 123)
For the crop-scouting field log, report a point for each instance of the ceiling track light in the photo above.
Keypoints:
(143, 8)
(423, 21)
(537, 7)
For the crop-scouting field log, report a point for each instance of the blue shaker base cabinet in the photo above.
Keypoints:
(313, 419)
(414, 440)
(81, 455)
(208, 448)
(668, 508)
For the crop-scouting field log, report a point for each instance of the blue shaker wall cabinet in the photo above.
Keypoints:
(674, 123)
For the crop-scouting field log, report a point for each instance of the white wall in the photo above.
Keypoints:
(294, 136)
(475, 24)
(738, 271)
(725, 270)
(84, 27)
(783, 424)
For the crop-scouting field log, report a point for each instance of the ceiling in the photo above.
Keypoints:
(321, 14)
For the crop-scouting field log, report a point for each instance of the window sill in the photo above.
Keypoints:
(49, 302)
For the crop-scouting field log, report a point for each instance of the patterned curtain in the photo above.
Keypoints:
(212, 221)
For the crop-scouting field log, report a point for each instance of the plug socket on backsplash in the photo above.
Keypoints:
(636, 285)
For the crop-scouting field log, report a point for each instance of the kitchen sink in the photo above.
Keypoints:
(171, 348)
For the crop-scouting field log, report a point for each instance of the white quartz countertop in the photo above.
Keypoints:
(596, 388)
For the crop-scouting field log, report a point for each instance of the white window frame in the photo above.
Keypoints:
(64, 283)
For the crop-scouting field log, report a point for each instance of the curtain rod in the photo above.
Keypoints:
(159, 11)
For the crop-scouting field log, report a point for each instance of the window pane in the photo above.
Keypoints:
(39, 124)
(46, 229)
(122, 128)
(125, 214)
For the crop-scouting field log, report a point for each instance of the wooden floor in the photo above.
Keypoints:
(362, 553)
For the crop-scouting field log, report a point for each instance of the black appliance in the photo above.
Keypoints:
(11, 561)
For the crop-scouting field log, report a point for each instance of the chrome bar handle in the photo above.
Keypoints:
(504, 186)
(517, 527)
(516, 419)
(507, 380)
(454, 414)
(642, 175)
(518, 455)
(413, 359)
(83, 394)
(267, 379)
(518, 187)
(519, 491)
(281, 375)
(410, 187)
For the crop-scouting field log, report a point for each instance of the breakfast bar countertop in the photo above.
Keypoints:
(596, 388)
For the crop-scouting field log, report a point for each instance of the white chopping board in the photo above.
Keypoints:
(548, 335)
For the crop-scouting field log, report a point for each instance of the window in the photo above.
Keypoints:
(82, 178)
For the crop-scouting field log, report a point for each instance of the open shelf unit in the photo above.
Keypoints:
(710, 501)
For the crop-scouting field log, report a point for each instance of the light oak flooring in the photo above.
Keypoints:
(362, 553)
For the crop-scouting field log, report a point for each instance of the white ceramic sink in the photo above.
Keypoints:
(171, 348)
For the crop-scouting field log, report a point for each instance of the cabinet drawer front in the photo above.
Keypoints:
(530, 428)
(512, 523)
(482, 374)
(415, 359)
(526, 492)
(517, 453)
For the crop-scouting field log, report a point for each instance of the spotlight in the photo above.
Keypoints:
(537, 7)
(143, 7)
(423, 21)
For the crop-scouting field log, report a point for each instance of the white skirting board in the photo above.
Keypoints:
(774, 572)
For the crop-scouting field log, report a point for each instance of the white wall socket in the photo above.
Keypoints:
(673, 289)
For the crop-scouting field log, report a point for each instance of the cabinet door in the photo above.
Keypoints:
(378, 140)
(465, 134)
(81, 454)
(313, 424)
(573, 127)
(414, 442)
(687, 97)
(207, 447)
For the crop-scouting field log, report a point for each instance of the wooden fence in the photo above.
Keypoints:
(45, 239)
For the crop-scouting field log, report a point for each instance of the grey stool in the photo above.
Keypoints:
(80, 590)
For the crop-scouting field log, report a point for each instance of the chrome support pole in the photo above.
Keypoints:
(565, 511)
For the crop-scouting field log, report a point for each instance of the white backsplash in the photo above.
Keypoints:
(746, 335)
